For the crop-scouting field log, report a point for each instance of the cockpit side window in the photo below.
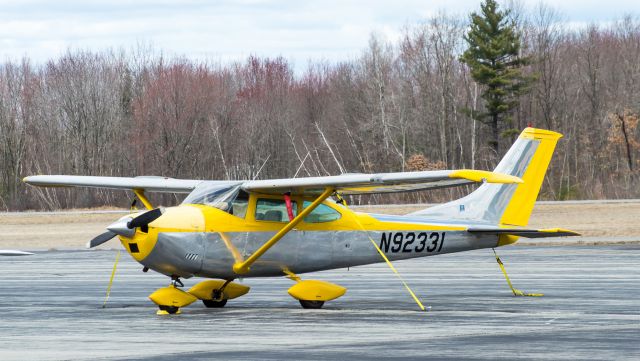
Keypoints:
(228, 198)
(240, 204)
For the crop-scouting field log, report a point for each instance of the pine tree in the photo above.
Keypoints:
(495, 61)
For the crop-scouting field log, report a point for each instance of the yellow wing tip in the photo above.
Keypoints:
(29, 178)
(560, 230)
(484, 176)
(536, 133)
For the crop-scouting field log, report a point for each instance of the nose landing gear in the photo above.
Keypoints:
(170, 299)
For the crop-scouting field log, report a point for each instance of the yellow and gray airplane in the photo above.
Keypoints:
(225, 230)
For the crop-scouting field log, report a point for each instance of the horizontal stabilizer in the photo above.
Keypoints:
(527, 233)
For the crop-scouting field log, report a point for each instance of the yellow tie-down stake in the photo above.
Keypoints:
(516, 292)
(387, 261)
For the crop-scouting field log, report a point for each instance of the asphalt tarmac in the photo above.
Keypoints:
(51, 306)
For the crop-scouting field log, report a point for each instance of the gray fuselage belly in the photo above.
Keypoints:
(208, 255)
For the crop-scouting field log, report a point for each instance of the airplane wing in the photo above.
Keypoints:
(150, 184)
(378, 183)
(346, 183)
(527, 233)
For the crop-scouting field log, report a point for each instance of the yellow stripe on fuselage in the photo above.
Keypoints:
(217, 220)
(201, 218)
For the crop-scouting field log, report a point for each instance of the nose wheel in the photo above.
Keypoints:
(171, 310)
(170, 299)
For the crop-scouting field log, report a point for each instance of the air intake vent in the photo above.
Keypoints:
(191, 256)
(134, 248)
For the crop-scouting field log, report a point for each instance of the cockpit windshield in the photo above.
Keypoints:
(229, 198)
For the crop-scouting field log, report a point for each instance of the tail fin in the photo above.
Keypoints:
(505, 204)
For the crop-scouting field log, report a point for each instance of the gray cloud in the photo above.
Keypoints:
(228, 30)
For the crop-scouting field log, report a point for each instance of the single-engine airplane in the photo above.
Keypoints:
(226, 230)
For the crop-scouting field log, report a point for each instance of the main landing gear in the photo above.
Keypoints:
(218, 299)
(214, 304)
(312, 294)
(314, 305)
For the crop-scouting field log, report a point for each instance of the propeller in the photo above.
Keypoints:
(144, 219)
(125, 226)
(100, 239)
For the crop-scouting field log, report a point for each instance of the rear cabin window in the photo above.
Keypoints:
(321, 214)
(274, 210)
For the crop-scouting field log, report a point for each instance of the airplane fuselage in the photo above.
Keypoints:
(196, 240)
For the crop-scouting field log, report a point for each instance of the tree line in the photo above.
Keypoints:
(410, 104)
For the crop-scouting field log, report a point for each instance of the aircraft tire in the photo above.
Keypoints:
(314, 305)
(172, 310)
(214, 304)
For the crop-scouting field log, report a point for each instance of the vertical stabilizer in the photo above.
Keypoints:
(505, 204)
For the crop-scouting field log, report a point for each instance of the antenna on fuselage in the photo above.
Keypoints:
(262, 166)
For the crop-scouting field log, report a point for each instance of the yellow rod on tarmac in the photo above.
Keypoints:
(113, 273)
(516, 292)
(404, 283)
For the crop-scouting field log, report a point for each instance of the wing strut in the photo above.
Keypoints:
(243, 267)
(143, 198)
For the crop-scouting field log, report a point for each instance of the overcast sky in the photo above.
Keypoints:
(229, 30)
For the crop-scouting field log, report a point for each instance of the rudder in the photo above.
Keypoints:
(520, 206)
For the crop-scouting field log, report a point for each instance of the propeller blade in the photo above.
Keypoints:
(145, 218)
(100, 239)
(11, 252)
